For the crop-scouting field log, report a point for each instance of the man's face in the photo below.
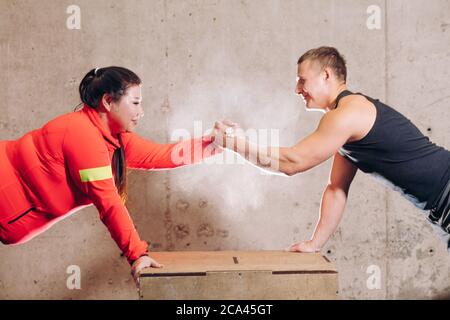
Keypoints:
(312, 85)
(125, 113)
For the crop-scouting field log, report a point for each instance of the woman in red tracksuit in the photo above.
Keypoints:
(80, 158)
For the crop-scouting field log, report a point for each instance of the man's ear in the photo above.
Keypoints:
(327, 72)
(106, 102)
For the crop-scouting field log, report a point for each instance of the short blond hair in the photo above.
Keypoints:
(327, 57)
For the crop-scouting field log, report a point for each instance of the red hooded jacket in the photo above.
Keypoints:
(64, 166)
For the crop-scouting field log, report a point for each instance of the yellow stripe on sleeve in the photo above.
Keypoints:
(95, 174)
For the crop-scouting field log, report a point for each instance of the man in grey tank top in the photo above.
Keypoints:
(360, 133)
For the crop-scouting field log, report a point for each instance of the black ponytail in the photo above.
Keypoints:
(113, 81)
(120, 171)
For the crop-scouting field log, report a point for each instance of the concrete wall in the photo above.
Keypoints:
(206, 60)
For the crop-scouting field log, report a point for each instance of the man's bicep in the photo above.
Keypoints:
(342, 173)
(323, 143)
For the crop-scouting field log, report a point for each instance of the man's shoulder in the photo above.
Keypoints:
(353, 102)
(354, 107)
(356, 112)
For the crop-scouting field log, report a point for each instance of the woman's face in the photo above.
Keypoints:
(124, 114)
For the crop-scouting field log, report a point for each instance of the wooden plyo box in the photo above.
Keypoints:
(239, 275)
